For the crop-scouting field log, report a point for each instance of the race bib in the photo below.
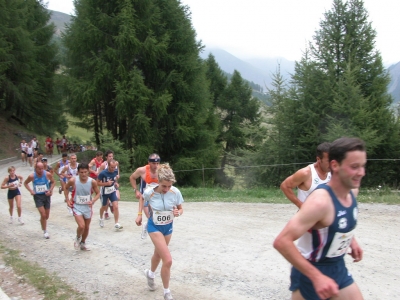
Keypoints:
(40, 188)
(14, 184)
(82, 199)
(109, 189)
(163, 217)
(150, 186)
(340, 244)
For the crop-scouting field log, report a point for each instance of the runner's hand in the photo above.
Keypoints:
(138, 220)
(325, 287)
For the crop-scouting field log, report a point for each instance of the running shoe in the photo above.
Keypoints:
(84, 248)
(46, 235)
(21, 221)
(150, 281)
(118, 226)
(106, 216)
(168, 296)
(101, 222)
(77, 243)
(11, 220)
(60, 190)
(144, 230)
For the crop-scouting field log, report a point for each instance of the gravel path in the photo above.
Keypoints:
(220, 250)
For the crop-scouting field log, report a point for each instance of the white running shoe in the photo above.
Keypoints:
(168, 296)
(118, 226)
(11, 220)
(144, 233)
(101, 222)
(21, 221)
(46, 235)
(77, 243)
(150, 281)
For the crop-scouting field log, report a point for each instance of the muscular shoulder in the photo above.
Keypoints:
(298, 178)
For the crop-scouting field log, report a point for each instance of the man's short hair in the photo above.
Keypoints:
(99, 153)
(83, 166)
(323, 148)
(341, 146)
(154, 157)
(64, 155)
(108, 152)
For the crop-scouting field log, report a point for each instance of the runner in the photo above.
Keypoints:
(165, 204)
(59, 171)
(109, 157)
(37, 159)
(95, 165)
(70, 170)
(307, 179)
(64, 142)
(319, 270)
(47, 167)
(107, 179)
(43, 185)
(49, 146)
(36, 146)
(148, 179)
(29, 154)
(58, 145)
(24, 146)
(81, 203)
(12, 182)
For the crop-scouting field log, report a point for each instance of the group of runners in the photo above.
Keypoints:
(323, 226)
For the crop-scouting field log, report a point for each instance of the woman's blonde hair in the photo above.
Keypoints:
(164, 172)
(11, 168)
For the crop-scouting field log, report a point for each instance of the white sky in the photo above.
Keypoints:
(271, 28)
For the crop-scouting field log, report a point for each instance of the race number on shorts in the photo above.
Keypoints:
(340, 243)
(82, 199)
(109, 189)
(40, 188)
(163, 217)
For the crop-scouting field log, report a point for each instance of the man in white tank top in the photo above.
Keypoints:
(308, 178)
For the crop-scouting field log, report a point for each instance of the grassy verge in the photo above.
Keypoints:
(51, 286)
(261, 195)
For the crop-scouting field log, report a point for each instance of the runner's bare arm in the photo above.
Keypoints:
(4, 185)
(96, 190)
(294, 181)
(26, 184)
(134, 176)
(315, 211)
(52, 182)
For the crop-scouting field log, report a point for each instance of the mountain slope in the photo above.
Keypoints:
(59, 19)
(394, 85)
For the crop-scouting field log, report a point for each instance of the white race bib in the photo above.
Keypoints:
(163, 217)
(340, 243)
(109, 189)
(40, 188)
(14, 184)
(82, 199)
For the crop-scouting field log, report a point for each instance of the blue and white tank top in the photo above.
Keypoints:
(40, 184)
(330, 244)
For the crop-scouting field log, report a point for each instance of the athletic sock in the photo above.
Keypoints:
(167, 290)
(152, 274)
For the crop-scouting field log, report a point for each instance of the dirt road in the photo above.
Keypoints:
(220, 250)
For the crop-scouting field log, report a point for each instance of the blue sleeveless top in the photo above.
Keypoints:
(330, 244)
(40, 181)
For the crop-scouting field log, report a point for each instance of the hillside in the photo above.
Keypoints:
(394, 86)
(59, 19)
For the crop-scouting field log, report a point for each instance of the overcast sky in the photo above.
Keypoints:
(262, 28)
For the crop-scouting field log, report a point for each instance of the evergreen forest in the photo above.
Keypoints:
(130, 71)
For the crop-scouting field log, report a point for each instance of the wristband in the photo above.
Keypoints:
(139, 214)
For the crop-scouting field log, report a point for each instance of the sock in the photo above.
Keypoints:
(152, 274)
(166, 290)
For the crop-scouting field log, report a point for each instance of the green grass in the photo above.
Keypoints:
(50, 285)
(73, 130)
(259, 195)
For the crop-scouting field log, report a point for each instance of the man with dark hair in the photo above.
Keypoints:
(95, 164)
(81, 202)
(148, 178)
(308, 178)
(326, 223)
(43, 185)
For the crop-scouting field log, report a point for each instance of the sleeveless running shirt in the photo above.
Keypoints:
(148, 180)
(83, 191)
(330, 244)
(40, 184)
(315, 181)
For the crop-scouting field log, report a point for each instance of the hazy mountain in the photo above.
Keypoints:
(394, 85)
(59, 19)
(258, 70)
